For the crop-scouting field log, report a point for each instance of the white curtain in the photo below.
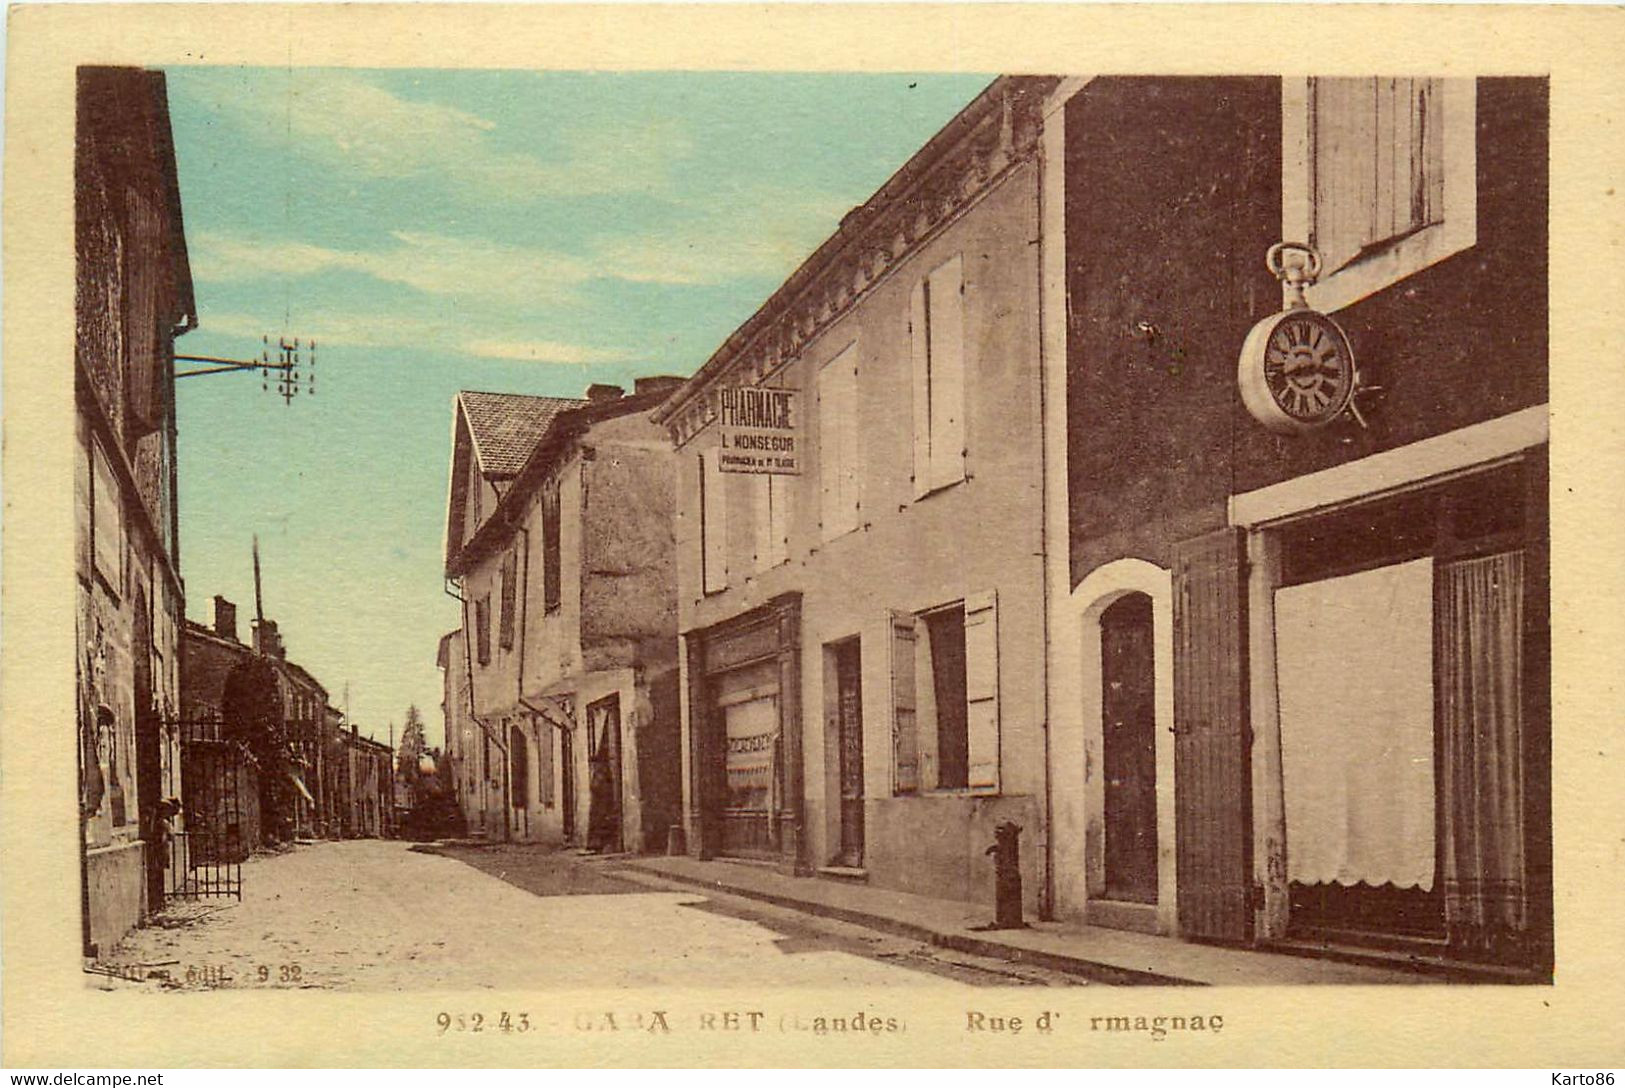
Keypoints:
(1354, 658)
(1481, 680)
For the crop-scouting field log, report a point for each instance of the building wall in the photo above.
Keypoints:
(911, 554)
(130, 269)
(1164, 276)
(614, 628)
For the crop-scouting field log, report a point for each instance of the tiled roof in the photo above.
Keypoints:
(507, 426)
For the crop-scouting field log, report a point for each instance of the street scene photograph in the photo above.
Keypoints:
(557, 529)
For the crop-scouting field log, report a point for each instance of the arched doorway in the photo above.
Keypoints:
(1128, 749)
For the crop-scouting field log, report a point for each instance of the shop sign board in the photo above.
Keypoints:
(761, 431)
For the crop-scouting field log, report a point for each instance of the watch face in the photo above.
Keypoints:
(1307, 368)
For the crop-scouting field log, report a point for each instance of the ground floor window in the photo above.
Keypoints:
(945, 697)
(1399, 641)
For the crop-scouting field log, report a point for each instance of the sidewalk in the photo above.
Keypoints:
(1105, 955)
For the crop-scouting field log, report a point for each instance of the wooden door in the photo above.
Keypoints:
(849, 725)
(1212, 741)
(1128, 712)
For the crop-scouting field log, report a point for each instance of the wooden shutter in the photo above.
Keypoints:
(982, 690)
(1212, 740)
(838, 443)
(919, 340)
(1377, 162)
(510, 578)
(947, 364)
(905, 731)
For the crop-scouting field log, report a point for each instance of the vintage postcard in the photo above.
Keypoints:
(852, 536)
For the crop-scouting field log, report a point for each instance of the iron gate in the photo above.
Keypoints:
(208, 844)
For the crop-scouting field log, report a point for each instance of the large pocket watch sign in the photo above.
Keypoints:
(1296, 369)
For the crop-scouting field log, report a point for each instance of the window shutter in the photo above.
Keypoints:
(947, 350)
(714, 529)
(838, 454)
(905, 732)
(919, 340)
(982, 690)
(509, 599)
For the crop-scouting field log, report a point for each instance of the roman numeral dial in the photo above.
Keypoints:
(1307, 367)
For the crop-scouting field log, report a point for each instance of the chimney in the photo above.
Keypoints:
(600, 394)
(225, 618)
(662, 384)
(266, 639)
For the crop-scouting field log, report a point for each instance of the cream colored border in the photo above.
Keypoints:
(51, 1019)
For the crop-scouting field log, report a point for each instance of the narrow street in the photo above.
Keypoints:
(385, 915)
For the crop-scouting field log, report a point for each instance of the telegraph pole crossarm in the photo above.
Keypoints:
(291, 355)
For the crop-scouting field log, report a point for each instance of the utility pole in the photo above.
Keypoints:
(291, 355)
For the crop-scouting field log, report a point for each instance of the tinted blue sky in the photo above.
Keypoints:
(434, 231)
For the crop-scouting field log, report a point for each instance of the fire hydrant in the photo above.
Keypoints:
(1006, 851)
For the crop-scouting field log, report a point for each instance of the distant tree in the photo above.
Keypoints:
(409, 755)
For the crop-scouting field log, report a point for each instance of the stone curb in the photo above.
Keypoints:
(941, 938)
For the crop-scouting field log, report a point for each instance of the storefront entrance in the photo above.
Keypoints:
(745, 736)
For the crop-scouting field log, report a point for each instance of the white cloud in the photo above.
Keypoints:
(431, 263)
(543, 351)
(350, 122)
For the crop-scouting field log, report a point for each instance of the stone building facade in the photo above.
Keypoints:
(133, 297)
(560, 687)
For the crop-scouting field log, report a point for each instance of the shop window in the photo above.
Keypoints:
(1380, 176)
(482, 628)
(770, 520)
(713, 526)
(945, 698)
(1402, 754)
(552, 591)
(839, 454)
(937, 335)
(509, 595)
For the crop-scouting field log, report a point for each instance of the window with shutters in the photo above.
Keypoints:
(482, 628)
(1379, 175)
(770, 520)
(839, 456)
(713, 525)
(552, 591)
(945, 698)
(937, 338)
(510, 578)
